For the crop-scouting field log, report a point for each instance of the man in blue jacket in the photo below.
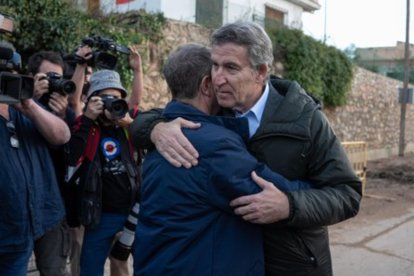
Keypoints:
(186, 225)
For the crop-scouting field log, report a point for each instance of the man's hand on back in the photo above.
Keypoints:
(173, 145)
(268, 206)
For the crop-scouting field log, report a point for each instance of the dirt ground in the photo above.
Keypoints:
(389, 189)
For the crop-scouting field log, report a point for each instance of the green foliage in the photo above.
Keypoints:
(337, 77)
(44, 25)
(323, 71)
(134, 28)
(399, 74)
(59, 26)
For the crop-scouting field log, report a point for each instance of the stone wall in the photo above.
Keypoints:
(372, 113)
(153, 55)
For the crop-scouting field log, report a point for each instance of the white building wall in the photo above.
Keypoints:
(233, 9)
(183, 10)
(293, 13)
(148, 5)
(175, 9)
(245, 9)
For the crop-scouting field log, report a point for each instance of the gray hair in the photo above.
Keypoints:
(250, 35)
(185, 68)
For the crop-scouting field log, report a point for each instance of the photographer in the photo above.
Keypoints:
(29, 195)
(108, 173)
(81, 76)
(47, 69)
(53, 248)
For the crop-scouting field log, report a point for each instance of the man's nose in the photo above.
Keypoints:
(219, 78)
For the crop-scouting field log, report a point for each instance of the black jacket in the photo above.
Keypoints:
(83, 147)
(296, 140)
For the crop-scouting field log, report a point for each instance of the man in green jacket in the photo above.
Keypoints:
(289, 133)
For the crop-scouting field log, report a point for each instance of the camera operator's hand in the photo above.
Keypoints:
(135, 62)
(41, 85)
(134, 58)
(94, 107)
(85, 52)
(58, 103)
(24, 106)
(123, 122)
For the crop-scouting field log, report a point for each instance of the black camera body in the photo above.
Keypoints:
(57, 84)
(105, 44)
(103, 55)
(13, 87)
(60, 85)
(117, 107)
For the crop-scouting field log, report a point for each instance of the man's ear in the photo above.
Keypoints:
(206, 86)
(262, 72)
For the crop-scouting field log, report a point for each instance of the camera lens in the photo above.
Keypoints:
(117, 107)
(57, 84)
(68, 86)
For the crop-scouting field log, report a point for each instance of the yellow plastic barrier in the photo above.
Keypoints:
(357, 152)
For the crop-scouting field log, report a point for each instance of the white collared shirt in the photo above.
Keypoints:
(254, 114)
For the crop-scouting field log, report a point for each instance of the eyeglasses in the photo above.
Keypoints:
(14, 141)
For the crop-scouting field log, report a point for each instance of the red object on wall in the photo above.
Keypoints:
(123, 1)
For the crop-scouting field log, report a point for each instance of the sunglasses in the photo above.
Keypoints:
(14, 141)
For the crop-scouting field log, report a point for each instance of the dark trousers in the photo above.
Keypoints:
(52, 251)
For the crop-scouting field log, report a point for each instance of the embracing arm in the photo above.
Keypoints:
(141, 127)
(149, 129)
(336, 195)
(271, 204)
(240, 178)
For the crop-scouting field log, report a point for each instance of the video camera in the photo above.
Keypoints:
(13, 87)
(102, 57)
(105, 44)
